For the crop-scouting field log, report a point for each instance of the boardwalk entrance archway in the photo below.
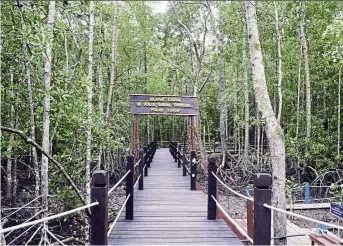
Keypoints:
(144, 104)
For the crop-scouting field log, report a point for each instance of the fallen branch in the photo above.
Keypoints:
(59, 166)
(223, 173)
(54, 237)
(67, 239)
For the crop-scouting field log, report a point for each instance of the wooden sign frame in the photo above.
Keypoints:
(147, 104)
(163, 105)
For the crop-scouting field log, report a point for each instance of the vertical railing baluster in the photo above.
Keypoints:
(148, 157)
(212, 189)
(184, 161)
(154, 149)
(262, 215)
(179, 155)
(145, 160)
(193, 162)
(100, 212)
(129, 187)
(250, 218)
(141, 166)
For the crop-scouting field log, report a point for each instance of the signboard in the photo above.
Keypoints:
(164, 105)
(336, 210)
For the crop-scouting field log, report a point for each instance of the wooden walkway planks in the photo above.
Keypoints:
(168, 212)
(292, 229)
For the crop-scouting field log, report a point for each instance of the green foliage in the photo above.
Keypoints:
(155, 56)
(293, 187)
(337, 192)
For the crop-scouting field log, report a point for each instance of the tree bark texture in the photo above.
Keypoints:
(46, 109)
(307, 79)
(222, 95)
(10, 143)
(339, 114)
(298, 104)
(246, 90)
(15, 161)
(278, 41)
(273, 129)
(101, 102)
(89, 114)
(113, 60)
(27, 68)
(89, 101)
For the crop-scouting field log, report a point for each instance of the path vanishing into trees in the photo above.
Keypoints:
(168, 212)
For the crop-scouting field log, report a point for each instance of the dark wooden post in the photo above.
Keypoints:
(250, 218)
(212, 189)
(145, 160)
(99, 213)
(141, 166)
(171, 150)
(193, 161)
(175, 152)
(262, 215)
(154, 150)
(184, 161)
(135, 143)
(129, 187)
(151, 154)
(179, 155)
(148, 157)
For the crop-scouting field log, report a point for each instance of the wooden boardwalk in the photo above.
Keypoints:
(168, 212)
(292, 230)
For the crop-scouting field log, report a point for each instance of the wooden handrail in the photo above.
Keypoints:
(181, 159)
(99, 226)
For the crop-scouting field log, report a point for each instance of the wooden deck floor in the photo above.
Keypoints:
(292, 229)
(168, 212)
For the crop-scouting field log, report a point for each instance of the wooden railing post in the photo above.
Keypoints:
(262, 215)
(212, 189)
(193, 162)
(171, 149)
(184, 161)
(141, 166)
(175, 151)
(154, 149)
(145, 160)
(179, 155)
(99, 212)
(250, 218)
(129, 187)
(148, 156)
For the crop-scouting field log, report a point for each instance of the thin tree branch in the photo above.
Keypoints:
(29, 140)
(187, 30)
(206, 80)
(177, 67)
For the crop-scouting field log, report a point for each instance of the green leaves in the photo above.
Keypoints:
(337, 192)
(293, 188)
(155, 56)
